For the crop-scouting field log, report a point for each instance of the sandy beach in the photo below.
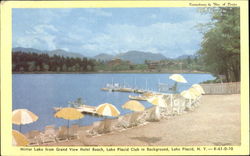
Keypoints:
(215, 122)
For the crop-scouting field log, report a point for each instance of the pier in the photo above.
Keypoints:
(86, 109)
(131, 90)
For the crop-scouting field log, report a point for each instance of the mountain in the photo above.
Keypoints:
(138, 57)
(59, 52)
(26, 50)
(104, 57)
(64, 53)
(185, 57)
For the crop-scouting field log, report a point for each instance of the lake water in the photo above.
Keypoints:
(41, 92)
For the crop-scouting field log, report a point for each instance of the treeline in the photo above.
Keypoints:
(33, 62)
(221, 43)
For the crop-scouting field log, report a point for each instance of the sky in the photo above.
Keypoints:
(91, 31)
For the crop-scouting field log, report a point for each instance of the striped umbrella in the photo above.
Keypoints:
(198, 88)
(133, 105)
(18, 139)
(107, 109)
(23, 116)
(178, 78)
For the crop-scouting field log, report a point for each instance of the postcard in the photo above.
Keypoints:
(124, 77)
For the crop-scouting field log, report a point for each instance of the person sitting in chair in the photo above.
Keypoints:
(174, 87)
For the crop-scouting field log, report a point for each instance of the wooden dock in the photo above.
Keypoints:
(85, 109)
(130, 90)
(139, 98)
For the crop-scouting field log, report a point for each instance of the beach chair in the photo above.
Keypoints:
(62, 134)
(83, 138)
(98, 128)
(73, 131)
(49, 134)
(178, 106)
(107, 127)
(197, 101)
(122, 122)
(153, 116)
(189, 104)
(34, 137)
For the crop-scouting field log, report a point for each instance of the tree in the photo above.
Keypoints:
(221, 43)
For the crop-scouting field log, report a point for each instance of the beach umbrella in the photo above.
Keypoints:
(194, 91)
(22, 117)
(18, 139)
(198, 88)
(188, 94)
(133, 105)
(69, 113)
(107, 109)
(178, 78)
(157, 100)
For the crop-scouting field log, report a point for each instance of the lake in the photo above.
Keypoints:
(39, 93)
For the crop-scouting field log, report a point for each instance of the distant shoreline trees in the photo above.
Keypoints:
(33, 62)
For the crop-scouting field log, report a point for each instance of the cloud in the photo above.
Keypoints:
(98, 12)
(153, 16)
(166, 38)
(167, 31)
(40, 36)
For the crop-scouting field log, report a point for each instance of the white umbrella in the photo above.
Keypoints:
(23, 116)
(107, 109)
(178, 78)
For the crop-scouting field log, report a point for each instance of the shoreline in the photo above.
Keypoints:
(206, 125)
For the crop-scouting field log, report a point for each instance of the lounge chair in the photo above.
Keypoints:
(34, 137)
(135, 119)
(107, 125)
(73, 131)
(49, 134)
(97, 128)
(83, 137)
(189, 105)
(178, 106)
(153, 114)
(62, 134)
(122, 122)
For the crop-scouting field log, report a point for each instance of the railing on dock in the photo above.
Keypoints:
(222, 88)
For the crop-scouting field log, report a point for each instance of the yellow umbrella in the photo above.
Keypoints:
(134, 106)
(198, 88)
(69, 113)
(194, 91)
(188, 94)
(157, 100)
(107, 109)
(18, 139)
(178, 78)
(23, 116)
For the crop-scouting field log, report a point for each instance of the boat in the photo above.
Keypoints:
(86, 109)
(126, 90)
(141, 98)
